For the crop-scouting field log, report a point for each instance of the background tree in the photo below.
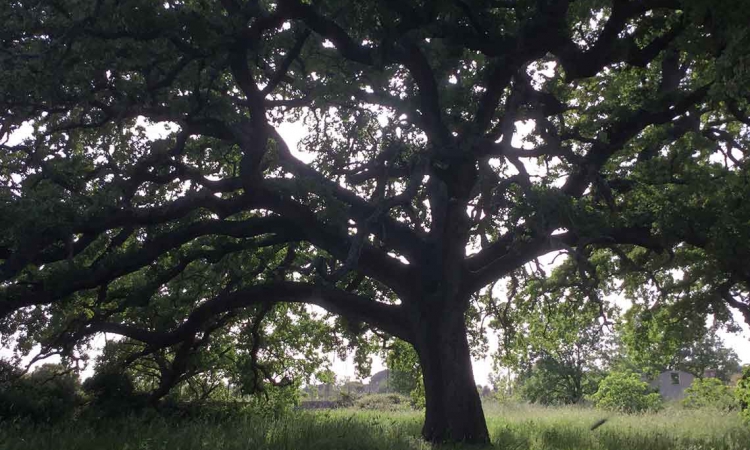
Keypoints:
(558, 349)
(710, 354)
(655, 341)
(418, 193)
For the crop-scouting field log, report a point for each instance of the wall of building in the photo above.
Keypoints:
(667, 386)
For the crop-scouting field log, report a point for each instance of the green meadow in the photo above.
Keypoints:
(511, 427)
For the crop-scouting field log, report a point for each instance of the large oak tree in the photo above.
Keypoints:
(420, 193)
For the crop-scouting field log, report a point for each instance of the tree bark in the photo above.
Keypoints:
(453, 407)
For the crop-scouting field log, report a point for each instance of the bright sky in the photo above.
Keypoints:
(483, 367)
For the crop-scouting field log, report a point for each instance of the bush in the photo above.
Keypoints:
(112, 393)
(383, 402)
(109, 384)
(48, 394)
(346, 400)
(406, 373)
(709, 393)
(625, 392)
(273, 401)
(742, 392)
(418, 400)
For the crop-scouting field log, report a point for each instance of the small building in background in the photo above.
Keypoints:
(672, 383)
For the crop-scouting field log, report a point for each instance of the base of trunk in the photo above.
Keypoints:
(453, 407)
(462, 431)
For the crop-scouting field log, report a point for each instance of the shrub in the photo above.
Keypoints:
(112, 393)
(383, 402)
(346, 400)
(274, 401)
(417, 395)
(406, 373)
(109, 384)
(742, 392)
(709, 393)
(48, 394)
(625, 392)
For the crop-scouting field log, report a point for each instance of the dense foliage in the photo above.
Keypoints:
(742, 392)
(709, 393)
(146, 191)
(405, 376)
(49, 394)
(654, 345)
(626, 392)
(383, 402)
(559, 349)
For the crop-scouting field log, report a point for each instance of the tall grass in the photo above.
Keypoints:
(511, 427)
(534, 427)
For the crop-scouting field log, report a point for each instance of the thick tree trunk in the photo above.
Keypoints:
(453, 407)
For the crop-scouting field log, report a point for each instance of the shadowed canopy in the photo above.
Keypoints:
(206, 241)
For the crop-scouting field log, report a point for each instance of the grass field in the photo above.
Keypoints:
(511, 427)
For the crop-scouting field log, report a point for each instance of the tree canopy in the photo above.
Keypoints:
(448, 145)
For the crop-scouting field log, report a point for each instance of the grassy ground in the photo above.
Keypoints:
(524, 427)
(512, 427)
